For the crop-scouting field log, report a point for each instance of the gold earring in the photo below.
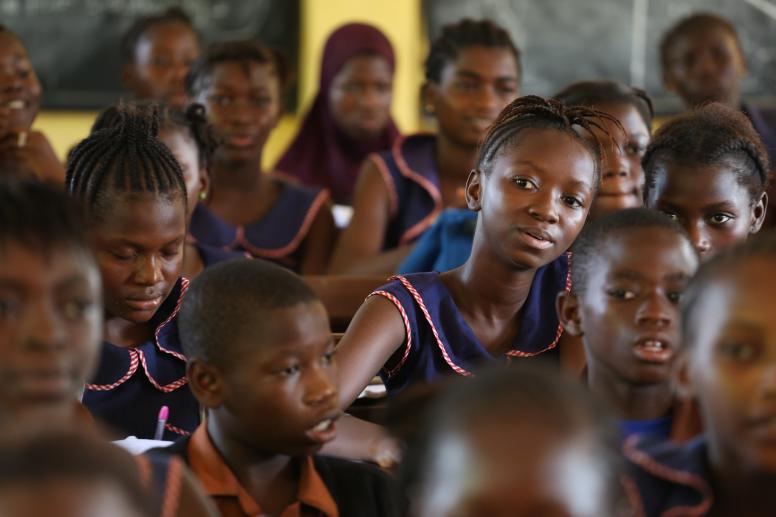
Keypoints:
(202, 195)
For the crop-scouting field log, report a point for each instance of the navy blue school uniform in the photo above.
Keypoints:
(764, 122)
(277, 236)
(411, 175)
(132, 384)
(668, 479)
(211, 255)
(438, 341)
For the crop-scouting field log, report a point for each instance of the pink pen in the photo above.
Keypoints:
(160, 422)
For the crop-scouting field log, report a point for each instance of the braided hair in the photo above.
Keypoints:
(125, 156)
(705, 136)
(602, 92)
(532, 112)
(464, 34)
(142, 25)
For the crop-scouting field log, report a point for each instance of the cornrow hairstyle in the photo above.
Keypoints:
(240, 51)
(728, 261)
(705, 136)
(38, 456)
(532, 112)
(229, 298)
(589, 246)
(192, 120)
(142, 25)
(466, 33)
(514, 396)
(693, 24)
(39, 217)
(601, 93)
(124, 157)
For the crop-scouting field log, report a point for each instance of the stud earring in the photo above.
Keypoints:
(202, 195)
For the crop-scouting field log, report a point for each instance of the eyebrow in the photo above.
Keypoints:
(474, 75)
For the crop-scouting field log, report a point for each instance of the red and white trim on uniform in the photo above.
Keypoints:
(393, 197)
(680, 477)
(275, 253)
(405, 170)
(407, 331)
(137, 357)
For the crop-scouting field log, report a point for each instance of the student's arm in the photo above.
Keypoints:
(359, 248)
(319, 243)
(363, 441)
(35, 154)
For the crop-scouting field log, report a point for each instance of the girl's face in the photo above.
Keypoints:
(139, 247)
(535, 198)
(732, 360)
(472, 91)
(622, 178)
(50, 326)
(184, 148)
(163, 56)
(710, 203)
(20, 89)
(243, 105)
(360, 97)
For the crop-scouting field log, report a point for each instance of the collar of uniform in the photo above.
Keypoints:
(217, 479)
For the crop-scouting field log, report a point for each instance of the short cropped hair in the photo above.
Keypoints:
(589, 245)
(39, 217)
(231, 296)
(594, 94)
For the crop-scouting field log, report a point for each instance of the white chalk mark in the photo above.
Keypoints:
(765, 6)
(638, 58)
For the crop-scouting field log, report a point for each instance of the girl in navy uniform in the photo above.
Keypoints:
(533, 186)
(134, 197)
(728, 364)
(240, 84)
(708, 169)
(622, 178)
(472, 73)
(188, 135)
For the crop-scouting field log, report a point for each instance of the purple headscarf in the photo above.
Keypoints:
(321, 154)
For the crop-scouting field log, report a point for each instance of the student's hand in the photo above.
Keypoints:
(30, 151)
(386, 453)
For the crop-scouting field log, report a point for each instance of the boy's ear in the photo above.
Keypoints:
(473, 190)
(128, 76)
(669, 83)
(758, 213)
(567, 306)
(683, 376)
(206, 382)
(428, 96)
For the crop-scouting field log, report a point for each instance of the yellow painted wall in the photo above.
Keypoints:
(399, 19)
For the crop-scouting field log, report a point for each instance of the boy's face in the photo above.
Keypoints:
(534, 201)
(50, 327)
(163, 56)
(705, 65)
(732, 365)
(139, 248)
(628, 313)
(508, 468)
(281, 395)
(710, 203)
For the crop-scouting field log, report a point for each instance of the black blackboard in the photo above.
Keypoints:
(74, 44)
(567, 40)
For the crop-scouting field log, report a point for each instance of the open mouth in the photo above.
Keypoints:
(653, 350)
(17, 104)
(325, 430)
(536, 238)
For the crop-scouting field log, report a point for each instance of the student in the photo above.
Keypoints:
(134, 196)
(158, 52)
(515, 443)
(189, 137)
(50, 326)
(69, 474)
(23, 152)
(702, 62)
(472, 73)
(728, 364)
(630, 269)
(532, 187)
(261, 360)
(707, 168)
(240, 83)
(351, 114)
(622, 178)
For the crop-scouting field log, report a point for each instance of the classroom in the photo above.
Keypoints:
(423, 258)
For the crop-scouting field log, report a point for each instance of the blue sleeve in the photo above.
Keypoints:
(425, 253)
